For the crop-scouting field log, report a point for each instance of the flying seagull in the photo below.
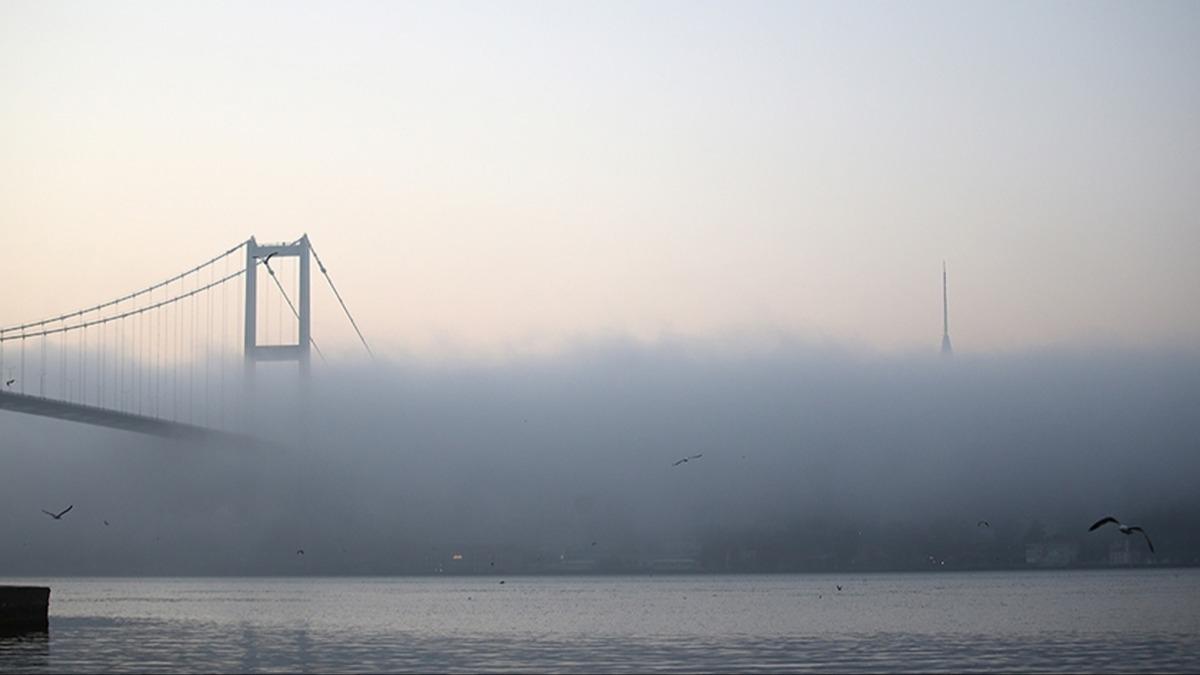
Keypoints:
(686, 459)
(267, 263)
(299, 551)
(9, 383)
(60, 514)
(983, 523)
(1125, 529)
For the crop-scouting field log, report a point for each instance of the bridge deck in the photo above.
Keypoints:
(87, 414)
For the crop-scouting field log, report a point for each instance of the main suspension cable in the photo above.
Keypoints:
(129, 313)
(123, 298)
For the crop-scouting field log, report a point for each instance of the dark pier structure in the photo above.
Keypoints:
(24, 609)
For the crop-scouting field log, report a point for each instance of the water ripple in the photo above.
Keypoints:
(632, 625)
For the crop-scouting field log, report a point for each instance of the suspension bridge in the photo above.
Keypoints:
(176, 358)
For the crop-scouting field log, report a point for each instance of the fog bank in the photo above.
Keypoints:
(812, 458)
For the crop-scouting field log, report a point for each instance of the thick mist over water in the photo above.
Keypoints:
(813, 458)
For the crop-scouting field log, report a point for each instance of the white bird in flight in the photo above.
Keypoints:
(1125, 529)
(686, 459)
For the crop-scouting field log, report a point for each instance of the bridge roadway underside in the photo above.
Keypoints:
(86, 414)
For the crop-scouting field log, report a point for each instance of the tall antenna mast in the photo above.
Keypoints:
(946, 350)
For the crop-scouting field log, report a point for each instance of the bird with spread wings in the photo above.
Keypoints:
(1125, 529)
(60, 514)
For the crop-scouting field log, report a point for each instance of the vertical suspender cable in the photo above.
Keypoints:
(157, 381)
(143, 361)
(279, 325)
(189, 346)
(208, 348)
(296, 290)
(160, 319)
(137, 361)
(119, 376)
(62, 361)
(83, 354)
(238, 323)
(79, 367)
(224, 339)
(190, 337)
(102, 361)
(178, 353)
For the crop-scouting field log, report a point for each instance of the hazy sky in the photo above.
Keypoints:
(504, 177)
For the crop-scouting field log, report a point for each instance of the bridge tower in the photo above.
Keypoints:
(299, 352)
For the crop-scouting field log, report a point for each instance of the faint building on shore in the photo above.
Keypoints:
(1053, 552)
(1127, 551)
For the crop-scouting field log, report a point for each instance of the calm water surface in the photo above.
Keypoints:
(1112, 620)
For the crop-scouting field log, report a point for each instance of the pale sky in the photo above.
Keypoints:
(498, 177)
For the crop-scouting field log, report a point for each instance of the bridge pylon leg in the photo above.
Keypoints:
(301, 351)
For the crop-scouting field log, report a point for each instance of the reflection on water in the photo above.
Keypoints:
(24, 651)
(149, 646)
(1062, 622)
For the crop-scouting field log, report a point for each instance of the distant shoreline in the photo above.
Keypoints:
(639, 575)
